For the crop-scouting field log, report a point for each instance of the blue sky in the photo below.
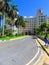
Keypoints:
(30, 7)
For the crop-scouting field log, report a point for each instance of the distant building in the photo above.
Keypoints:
(48, 19)
(41, 18)
(35, 22)
(29, 25)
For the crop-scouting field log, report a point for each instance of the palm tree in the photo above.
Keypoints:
(13, 14)
(20, 22)
(14, 7)
(5, 8)
(0, 31)
(7, 11)
(15, 10)
(4, 4)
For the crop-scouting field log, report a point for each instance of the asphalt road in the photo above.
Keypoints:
(18, 52)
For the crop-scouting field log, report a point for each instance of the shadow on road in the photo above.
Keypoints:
(38, 46)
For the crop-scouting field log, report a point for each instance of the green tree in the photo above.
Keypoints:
(43, 27)
(14, 7)
(4, 8)
(8, 11)
(0, 31)
(20, 22)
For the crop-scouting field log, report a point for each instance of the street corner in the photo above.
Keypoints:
(42, 43)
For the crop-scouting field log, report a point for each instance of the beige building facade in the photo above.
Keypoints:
(34, 22)
(29, 25)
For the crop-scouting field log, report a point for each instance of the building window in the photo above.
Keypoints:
(39, 23)
(39, 17)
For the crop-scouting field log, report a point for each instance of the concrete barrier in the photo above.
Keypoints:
(42, 43)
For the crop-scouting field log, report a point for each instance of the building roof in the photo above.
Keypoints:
(39, 12)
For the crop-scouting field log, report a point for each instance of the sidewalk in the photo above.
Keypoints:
(42, 43)
(45, 58)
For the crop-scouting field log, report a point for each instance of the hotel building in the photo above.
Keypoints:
(35, 22)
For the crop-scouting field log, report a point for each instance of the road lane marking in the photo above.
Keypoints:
(44, 59)
(38, 61)
(33, 57)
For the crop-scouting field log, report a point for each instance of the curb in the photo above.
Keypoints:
(13, 39)
(18, 38)
(42, 45)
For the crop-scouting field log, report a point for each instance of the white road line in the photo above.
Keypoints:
(39, 57)
(33, 57)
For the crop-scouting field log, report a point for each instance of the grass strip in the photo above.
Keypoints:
(11, 37)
